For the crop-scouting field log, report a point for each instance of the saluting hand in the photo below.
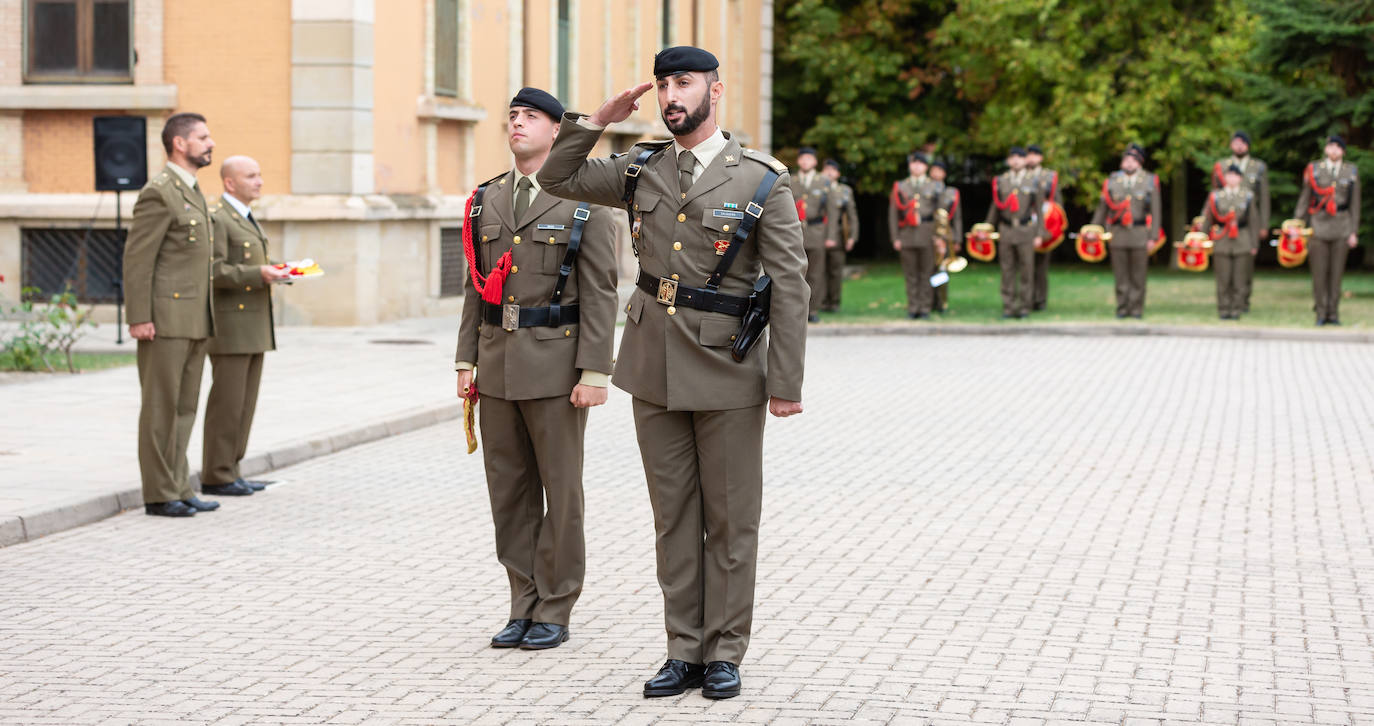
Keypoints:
(584, 396)
(782, 408)
(619, 107)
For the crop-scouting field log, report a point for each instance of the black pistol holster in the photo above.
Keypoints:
(755, 319)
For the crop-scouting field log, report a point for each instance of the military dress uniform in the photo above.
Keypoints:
(834, 256)
(1231, 219)
(1016, 211)
(948, 201)
(699, 414)
(818, 206)
(167, 281)
(528, 357)
(1129, 209)
(1330, 204)
(914, 227)
(244, 333)
(1048, 180)
(1254, 178)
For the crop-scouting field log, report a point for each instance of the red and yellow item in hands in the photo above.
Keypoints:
(982, 242)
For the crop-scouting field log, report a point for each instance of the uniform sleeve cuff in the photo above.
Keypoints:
(463, 365)
(586, 123)
(595, 379)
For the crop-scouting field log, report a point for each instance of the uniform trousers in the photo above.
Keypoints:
(169, 371)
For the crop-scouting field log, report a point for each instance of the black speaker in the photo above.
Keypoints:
(121, 153)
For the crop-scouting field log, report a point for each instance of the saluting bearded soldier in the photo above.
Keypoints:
(1016, 210)
(538, 323)
(1231, 220)
(910, 219)
(1254, 178)
(1330, 203)
(846, 235)
(708, 218)
(953, 232)
(1129, 209)
(818, 208)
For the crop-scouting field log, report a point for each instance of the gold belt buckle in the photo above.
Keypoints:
(667, 291)
(510, 317)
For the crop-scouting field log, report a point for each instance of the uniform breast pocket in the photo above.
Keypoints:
(721, 225)
(490, 233)
(554, 240)
(190, 228)
(643, 208)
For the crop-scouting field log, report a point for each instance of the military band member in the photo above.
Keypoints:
(1254, 179)
(1016, 211)
(847, 233)
(1231, 219)
(699, 414)
(1050, 193)
(538, 322)
(948, 197)
(167, 294)
(819, 210)
(1330, 204)
(910, 218)
(1129, 209)
(243, 328)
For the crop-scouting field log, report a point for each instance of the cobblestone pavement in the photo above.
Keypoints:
(959, 530)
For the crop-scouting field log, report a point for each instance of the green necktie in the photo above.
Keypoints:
(522, 197)
(686, 162)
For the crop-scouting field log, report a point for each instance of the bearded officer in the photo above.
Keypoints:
(539, 309)
(1129, 209)
(848, 233)
(818, 207)
(699, 414)
(1330, 203)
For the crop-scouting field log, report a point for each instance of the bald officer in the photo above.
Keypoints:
(167, 293)
(244, 331)
(708, 218)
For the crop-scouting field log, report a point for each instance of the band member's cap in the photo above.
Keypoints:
(940, 163)
(917, 156)
(832, 162)
(1016, 151)
(1233, 169)
(1035, 149)
(683, 59)
(1242, 136)
(542, 100)
(1336, 139)
(1135, 151)
(803, 151)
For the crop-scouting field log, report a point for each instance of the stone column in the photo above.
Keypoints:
(331, 96)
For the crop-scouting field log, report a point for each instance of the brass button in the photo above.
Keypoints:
(567, 333)
(672, 310)
(682, 218)
(677, 245)
(248, 288)
(240, 306)
(176, 295)
(514, 269)
(726, 228)
(511, 298)
(192, 239)
(517, 239)
(627, 308)
(245, 244)
(484, 239)
(636, 207)
(674, 275)
(732, 339)
(684, 195)
(552, 240)
(193, 223)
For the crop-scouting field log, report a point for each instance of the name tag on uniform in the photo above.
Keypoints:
(727, 214)
(550, 226)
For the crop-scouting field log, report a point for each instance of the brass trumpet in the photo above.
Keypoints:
(951, 262)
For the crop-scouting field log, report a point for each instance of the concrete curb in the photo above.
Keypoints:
(33, 523)
(1093, 330)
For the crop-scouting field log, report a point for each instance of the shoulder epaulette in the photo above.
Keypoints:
(489, 181)
(765, 159)
(215, 208)
(655, 144)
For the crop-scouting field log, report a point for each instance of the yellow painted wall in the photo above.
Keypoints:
(398, 81)
(59, 155)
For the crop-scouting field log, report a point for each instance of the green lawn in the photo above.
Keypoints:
(1084, 293)
(83, 361)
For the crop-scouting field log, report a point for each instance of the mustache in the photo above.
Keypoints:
(675, 107)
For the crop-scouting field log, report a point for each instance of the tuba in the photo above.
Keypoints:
(1091, 244)
(952, 262)
(982, 242)
(1292, 242)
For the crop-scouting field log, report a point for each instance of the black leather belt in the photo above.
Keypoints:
(814, 222)
(1025, 222)
(1342, 208)
(512, 316)
(927, 218)
(669, 292)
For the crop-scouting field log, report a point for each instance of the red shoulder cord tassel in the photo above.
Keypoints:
(1012, 202)
(909, 217)
(1323, 195)
(801, 211)
(488, 286)
(1229, 221)
(1122, 208)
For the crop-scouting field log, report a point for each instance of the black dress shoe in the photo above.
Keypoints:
(170, 509)
(232, 489)
(1321, 322)
(256, 486)
(923, 316)
(200, 505)
(511, 635)
(1333, 321)
(1139, 316)
(1121, 316)
(722, 680)
(813, 318)
(674, 678)
(542, 636)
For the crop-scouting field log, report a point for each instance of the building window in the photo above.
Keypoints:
(564, 49)
(666, 22)
(89, 260)
(78, 41)
(453, 265)
(446, 28)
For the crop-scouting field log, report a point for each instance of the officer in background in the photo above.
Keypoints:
(243, 331)
(1254, 178)
(699, 413)
(818, 208)
(539, 309)
(1016, 210)
(1330, 204)
(948, 200)
(1129, 209)
(847, 234)
(1231, 220)
(168, 297)
(1050, 193)
(910, 217)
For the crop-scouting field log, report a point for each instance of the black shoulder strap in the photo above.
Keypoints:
(632, 173)
(580, 217)
(752, 212)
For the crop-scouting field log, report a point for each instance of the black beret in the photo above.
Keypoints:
(940, 163)
(1016, 151)
(1035, 149)
(683, 59)
(917, 156)
(1233, 169)
(832, 162)
(542, 100)
(1135, 150)
(1336, 139)
(806, 150)
(1242, 136)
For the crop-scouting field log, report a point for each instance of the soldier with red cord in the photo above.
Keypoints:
(1129, 209)
(1330, 204)
(1017, 211)
(1231, 220)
